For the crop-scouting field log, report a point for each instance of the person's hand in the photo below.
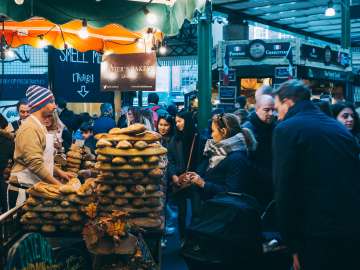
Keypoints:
(296, 262)
(66, 175)
(175, 180)
(196, 180)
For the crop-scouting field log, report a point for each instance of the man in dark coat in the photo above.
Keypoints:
(105, 122)
(262, 123)
(317, 187)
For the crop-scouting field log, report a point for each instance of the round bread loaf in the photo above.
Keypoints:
(75, 155)
(136, 160)
(140, 145)
(137, 175)
(75, 217)
(103, 143)
(119, 160)
(124, 145)
(137, 190)
(48, 228)
(103, 158)
(137, 202)
(120, 189)
(132, 129)
(121, 201)
(73, 160)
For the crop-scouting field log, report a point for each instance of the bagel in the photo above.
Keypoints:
(152, 159)
(136, 160)
(73, 160)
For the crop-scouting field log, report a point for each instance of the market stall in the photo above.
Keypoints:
(122, 193)
(254, 63)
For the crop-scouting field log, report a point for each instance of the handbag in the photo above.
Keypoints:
(177, 189)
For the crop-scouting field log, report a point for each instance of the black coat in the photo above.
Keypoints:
(178, 159)
(232, 174)
(7, 146)
(316, 176)
(261, 158)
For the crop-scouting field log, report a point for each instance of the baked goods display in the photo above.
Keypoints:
(52, 208)
(79, 158)
(130, 174)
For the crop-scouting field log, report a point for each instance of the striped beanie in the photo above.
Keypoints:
(38, 97)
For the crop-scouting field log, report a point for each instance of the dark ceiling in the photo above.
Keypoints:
(305, 17)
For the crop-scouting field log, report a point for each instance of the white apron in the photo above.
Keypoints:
(26, 176)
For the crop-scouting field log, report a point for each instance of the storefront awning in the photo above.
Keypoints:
(112, 38)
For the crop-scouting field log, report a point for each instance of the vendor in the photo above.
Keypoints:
(34, 146)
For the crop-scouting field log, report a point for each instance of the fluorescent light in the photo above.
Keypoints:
(9, 53)
(162, 50)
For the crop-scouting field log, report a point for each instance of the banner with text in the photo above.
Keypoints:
(128, 72)
(76, 76)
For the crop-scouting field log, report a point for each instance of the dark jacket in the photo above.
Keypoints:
(69, 119)
(103, 124)
(6, 148)
(261, 158)
(178, 159)
(91, 144)
(232, 174)
(317, 183)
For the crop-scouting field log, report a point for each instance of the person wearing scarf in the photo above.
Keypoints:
(227, 168)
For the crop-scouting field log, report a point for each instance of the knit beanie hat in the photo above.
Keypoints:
(38, 97)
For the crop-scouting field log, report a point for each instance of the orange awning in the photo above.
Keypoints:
(112, 38)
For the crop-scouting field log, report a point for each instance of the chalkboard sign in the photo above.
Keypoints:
(76, 76)
(227, 92)
(13, 86)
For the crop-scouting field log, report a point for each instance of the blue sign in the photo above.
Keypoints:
(227, 92)
(13, 86)
(76, 76)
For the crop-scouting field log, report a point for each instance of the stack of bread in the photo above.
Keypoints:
(128, 160)
(53, 208)
(78, 158)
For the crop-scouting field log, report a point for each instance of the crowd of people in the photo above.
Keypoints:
(299, 151)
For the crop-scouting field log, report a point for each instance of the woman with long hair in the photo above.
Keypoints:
(345, 113)
(227, 167)
(184, 154)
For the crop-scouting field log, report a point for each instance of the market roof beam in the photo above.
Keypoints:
(245, 16)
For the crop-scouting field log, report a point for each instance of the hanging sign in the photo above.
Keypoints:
(76, 75)
(128, 72)
(13, 86)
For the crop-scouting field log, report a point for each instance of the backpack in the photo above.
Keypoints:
(155, 115)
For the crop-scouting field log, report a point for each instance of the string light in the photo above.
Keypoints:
(9, 53)
(330, 11)
(150, 17)
(83, 33)
(19, 2)
(42, 42)
(162, 50)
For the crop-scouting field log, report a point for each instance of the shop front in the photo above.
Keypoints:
(270, 62)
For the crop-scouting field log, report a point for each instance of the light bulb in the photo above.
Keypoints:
(9, 53)
(42, 42)
(330, 12)
(140, 44)
(151, 18)
(162, 50)
(19, 2)
(83, 33)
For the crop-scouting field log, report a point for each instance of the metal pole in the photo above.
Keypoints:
(204, 65)
(345, 24)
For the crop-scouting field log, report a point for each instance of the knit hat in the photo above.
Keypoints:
(38, 97)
